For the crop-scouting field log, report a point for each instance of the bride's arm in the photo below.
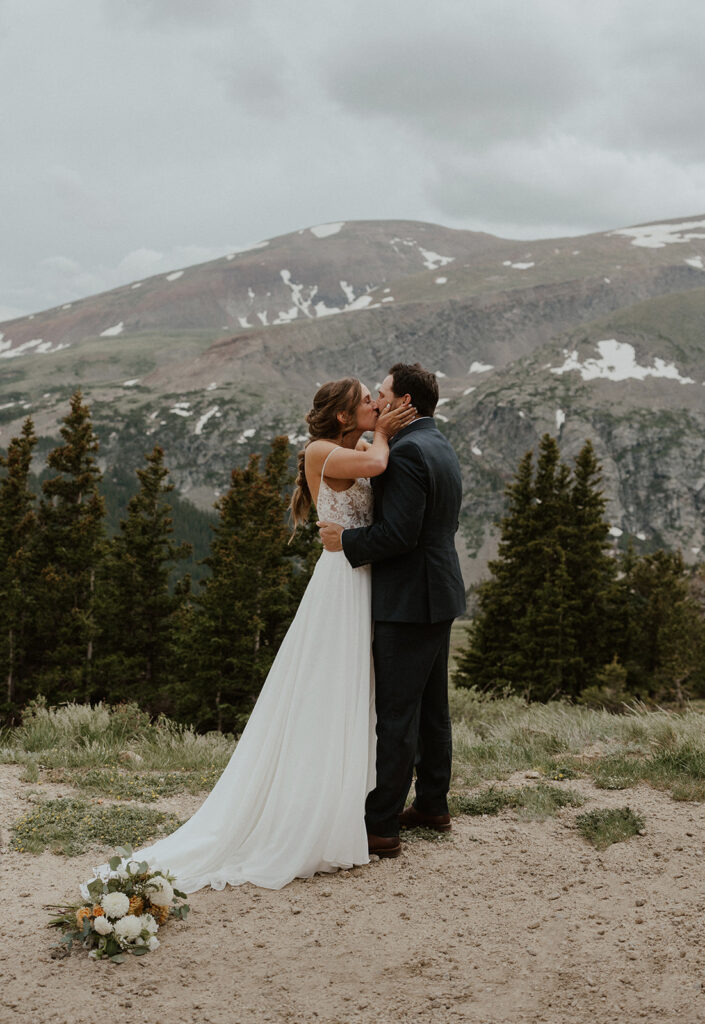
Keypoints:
(350, 463)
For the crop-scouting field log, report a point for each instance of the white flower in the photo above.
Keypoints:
(140, 941)
(115, 904)
(161, 892)
(153, 943)
(133, 867)
(93, 954)
(148, 922)
(127, 929)
(121, 874)
(102, 925)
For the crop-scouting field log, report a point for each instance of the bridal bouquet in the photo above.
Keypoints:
(122, 910)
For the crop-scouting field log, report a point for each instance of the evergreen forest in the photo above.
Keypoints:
(88, 614)
(565, 616)
(101, 607)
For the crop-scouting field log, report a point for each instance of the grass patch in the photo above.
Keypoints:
(532, 803)
(71, 827)
(428, 835)
(144, 786)
(606, 826)
(85, 736)
(677, 767)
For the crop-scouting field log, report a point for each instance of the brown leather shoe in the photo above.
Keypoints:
(384, 846)
(411, 818)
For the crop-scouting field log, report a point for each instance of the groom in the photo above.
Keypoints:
(417, 591)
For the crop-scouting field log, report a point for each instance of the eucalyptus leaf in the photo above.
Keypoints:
(115, 863)
(119, 958)
(95, 888)
(140, 951)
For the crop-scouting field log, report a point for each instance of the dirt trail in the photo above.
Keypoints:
(508, 921)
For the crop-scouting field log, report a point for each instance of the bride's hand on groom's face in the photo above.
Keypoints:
(391, 421)
(331, 534)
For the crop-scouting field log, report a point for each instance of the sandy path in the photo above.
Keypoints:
(509, 921)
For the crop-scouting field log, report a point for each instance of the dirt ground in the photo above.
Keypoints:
(508, 921)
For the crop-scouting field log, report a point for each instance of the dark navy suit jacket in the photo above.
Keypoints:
(415, 569)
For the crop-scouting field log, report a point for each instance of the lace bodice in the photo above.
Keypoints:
(350, 508)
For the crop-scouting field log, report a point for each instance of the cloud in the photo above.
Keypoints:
(139, 130)
(468, 84)
(537, 191)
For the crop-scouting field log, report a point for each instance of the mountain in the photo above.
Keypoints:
(598, 336)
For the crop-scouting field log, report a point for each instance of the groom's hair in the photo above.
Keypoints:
(412, 379)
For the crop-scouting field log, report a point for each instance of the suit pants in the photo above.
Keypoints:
(413, 721)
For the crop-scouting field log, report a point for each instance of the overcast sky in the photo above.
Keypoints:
(143, 135)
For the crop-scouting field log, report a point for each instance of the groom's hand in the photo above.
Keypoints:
(330, 536)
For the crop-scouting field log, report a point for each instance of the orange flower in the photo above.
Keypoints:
(160, 914)
(98, 910)
(81, 914)
(136, 905)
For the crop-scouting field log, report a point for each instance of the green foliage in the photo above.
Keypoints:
(249, 599)
(121, 784)
(71, 826)
(532, 802)
(71, 546)
(79, 736)
(609, 691)
(18, 534)
(606, 826)
(139, 613)
(561, 617)
(661, 638)
(540, 630)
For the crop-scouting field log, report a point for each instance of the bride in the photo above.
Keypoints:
(291, 799)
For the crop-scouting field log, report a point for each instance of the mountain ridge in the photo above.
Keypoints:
(169, 359)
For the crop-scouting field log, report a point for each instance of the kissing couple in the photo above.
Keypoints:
(320, 776)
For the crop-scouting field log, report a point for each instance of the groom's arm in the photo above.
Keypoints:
(405, 491)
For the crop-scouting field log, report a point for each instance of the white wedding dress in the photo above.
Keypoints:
(291, 799)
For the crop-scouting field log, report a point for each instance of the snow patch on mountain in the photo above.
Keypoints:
(246, 435)
(480, 367)
(112, 332)
(175, 276)
(560, 418)
(655, 236)
(617, 361)
(324, 230)
(697, 262)
(207, 415)
(431, 260)
(36, 346)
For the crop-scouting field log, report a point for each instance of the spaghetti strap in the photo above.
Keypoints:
(323, 467)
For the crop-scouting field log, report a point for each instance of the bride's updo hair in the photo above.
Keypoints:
(338, 396)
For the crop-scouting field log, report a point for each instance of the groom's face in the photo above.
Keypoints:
(386, 394)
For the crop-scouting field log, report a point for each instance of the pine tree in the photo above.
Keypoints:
(485, 660)
(138, 609)
(71, 547)
(664, 645)
(543, 612)
(246, 603)
(17, 567)
(592, 569)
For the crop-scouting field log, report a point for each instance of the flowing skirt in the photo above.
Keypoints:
(291, 800)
